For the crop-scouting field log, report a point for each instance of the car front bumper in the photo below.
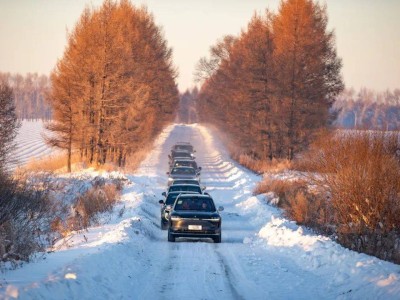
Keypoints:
(209, 229)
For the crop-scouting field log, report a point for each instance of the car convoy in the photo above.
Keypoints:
(187, 211)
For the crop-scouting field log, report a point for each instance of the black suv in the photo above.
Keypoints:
(194, 216)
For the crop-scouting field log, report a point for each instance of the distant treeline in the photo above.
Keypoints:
(187, 112)
(30, 92)
(368, 109)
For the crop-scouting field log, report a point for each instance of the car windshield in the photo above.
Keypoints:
(187, 163)
(183, 171)
(181, 154)
(194, 204)
(186, 188)
(185, 181)
(184, 147)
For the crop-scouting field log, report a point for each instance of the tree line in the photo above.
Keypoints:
(367, 109)
(30, 93)
(272, 86)
(114, 88)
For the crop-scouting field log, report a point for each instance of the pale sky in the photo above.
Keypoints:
(33, 34)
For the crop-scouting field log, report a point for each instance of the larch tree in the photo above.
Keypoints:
(122, 83)
(309, 70)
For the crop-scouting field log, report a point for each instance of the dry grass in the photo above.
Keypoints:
(49, 164)
(360, 171)
(262, 166)
(99, 199)
(299, 203)
(58, 162)
(94, 201)
(283, 189)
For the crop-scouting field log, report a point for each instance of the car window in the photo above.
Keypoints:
(183, 171)
(186, 188)
(191, 164)
(194, 204)
(185, 181)
(181, 154)
(183, 147)
(171, 199)
(186, 148)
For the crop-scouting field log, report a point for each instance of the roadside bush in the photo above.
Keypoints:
(98, 199)
(283, 189)
(25, 208)
(361, 173)
(299, 203)
(310, 209)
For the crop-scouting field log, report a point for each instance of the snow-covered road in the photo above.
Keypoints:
(262, 255)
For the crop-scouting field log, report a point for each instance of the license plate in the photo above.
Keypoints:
(194, 227)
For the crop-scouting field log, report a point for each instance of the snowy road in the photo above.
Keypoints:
(262, 255)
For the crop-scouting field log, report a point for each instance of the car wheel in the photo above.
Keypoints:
(217, 239)
(171, 238)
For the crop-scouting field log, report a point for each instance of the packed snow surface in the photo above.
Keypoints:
(262, 255)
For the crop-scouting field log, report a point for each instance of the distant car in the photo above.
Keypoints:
(182, 173)
(167, 206)
(185, 163)
(194, 216)
(183, 146)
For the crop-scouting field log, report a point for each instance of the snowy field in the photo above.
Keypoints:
(262, 255)
(30, 142)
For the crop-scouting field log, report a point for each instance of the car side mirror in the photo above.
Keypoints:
(164, 194)
(221, 208)
(161, 201)
(203, 188)
(200, 168)
(167, 173)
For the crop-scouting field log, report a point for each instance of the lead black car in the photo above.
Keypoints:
(194, 216)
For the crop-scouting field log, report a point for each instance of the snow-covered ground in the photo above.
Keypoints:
(30, 142)
(262, 255)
